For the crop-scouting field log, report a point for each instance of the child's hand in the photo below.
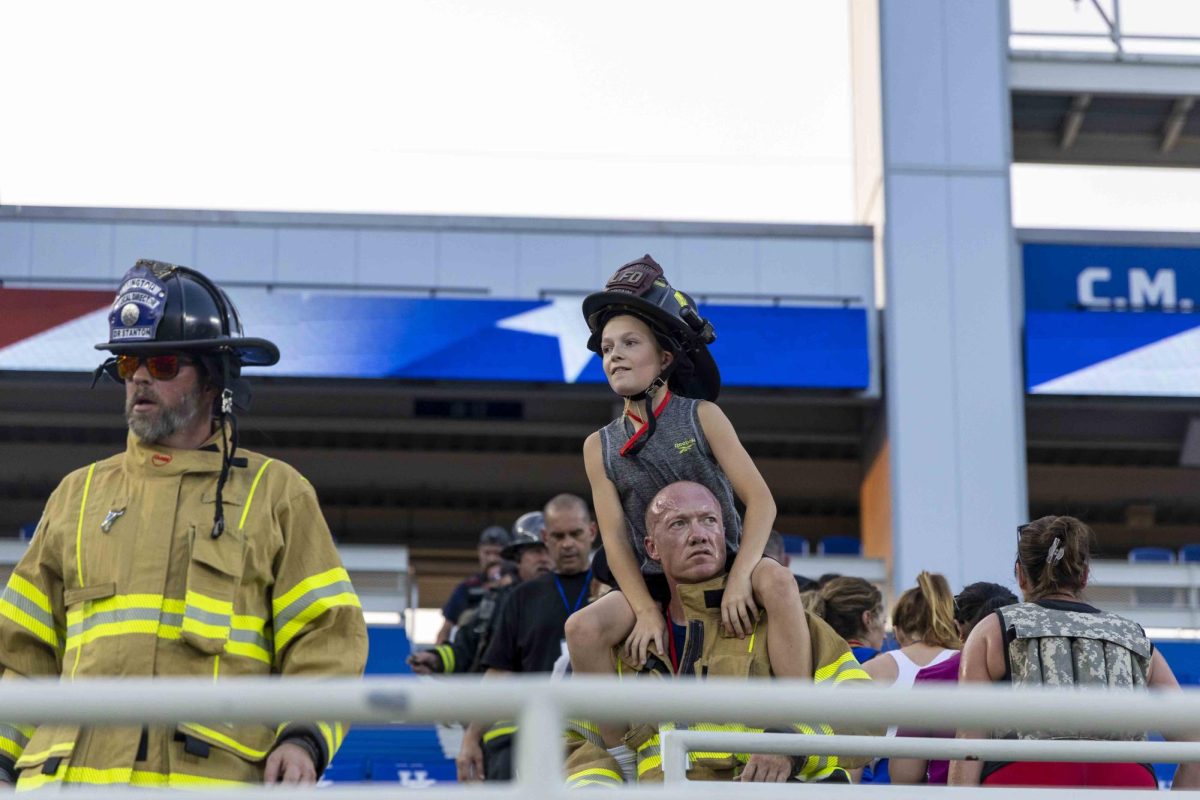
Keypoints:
(650, 627)
(738, 610)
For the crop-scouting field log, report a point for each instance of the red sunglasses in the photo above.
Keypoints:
(162, 367)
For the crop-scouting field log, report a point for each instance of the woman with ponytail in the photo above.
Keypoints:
(973, 604)
(1105, 650)
(923, 621)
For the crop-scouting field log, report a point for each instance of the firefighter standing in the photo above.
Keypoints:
(182, 556)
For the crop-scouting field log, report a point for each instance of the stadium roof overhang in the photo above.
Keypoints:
(1079, 108)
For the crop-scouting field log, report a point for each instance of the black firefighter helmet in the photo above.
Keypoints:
(162, 307)
(640, 289)
(165, 308)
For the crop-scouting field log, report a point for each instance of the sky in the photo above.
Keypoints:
(664, 110)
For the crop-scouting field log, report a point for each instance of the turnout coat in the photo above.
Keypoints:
(707, 651)
(123, 578)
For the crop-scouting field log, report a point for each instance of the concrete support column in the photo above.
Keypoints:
(933, 149)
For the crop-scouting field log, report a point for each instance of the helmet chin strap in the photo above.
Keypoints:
(229, 445)
(651, 420)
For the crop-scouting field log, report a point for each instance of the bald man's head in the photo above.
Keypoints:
(685, 532)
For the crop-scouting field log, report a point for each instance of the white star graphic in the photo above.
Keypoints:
(561, 319)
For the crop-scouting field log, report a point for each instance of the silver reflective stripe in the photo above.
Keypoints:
(14, 734)
(250, 637)
(116, 615)
(207, 617)
(307, 599)
(15, 598)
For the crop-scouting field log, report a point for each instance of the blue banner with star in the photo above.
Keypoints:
(535, 341)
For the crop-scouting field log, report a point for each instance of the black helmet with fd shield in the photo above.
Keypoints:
(639, 289)
(163, 308)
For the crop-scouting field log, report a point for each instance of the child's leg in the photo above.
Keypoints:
(788, 643)
(592, 632)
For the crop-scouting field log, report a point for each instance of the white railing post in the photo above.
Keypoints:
(539, 770)
(674, 751)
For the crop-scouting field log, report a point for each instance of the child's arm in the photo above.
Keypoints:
(738, 610)
(650, 625)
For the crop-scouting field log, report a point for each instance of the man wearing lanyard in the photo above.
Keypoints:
(529, 630)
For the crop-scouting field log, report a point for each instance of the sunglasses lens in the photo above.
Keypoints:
(126, 366)
(163, 368)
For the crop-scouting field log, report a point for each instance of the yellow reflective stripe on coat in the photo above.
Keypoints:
(499, 730)
(151, 614)
(13, 739)
(87, 485)
(122, 775)
(596, 776)
(228, 741)
(446, 653)
(26, 605)
(822, 674)
(250, 495)
(331, 743)
(309, 599)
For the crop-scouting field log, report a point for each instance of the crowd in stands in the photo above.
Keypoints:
(982, 633)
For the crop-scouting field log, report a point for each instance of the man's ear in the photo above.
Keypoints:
(651, 549)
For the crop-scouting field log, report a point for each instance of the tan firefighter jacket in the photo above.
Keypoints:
(707, 651)
(123, 578)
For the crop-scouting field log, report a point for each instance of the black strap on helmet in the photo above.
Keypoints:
(229, 445)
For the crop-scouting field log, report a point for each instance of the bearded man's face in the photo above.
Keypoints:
(156, 409)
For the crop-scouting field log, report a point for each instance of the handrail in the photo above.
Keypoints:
(540, 708)
(676, 744)
(777, 702)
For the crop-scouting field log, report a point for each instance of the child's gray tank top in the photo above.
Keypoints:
(677, 451)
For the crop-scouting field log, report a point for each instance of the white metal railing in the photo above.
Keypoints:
(676, 745)
(1100, 31)
(540, 708)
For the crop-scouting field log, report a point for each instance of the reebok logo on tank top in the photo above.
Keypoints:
(685, 446)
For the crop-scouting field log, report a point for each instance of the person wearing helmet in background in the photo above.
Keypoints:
(654, 348)
(470, 591)
(183, 556)
(530, 559)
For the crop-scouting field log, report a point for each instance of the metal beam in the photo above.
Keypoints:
(1175, 122)
(1074, 121)
(1078, 73)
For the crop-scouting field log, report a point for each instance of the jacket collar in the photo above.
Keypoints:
(153, 460)
(699, 598)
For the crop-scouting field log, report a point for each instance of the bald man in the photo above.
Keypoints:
(686, 535)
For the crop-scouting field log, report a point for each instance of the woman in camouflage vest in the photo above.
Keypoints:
(1056, 639)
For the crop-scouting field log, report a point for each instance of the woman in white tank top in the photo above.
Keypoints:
(923, 620)
(924, 623)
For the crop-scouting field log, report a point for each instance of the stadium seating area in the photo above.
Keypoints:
(410, 755)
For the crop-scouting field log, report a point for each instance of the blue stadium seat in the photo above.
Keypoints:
(413, 774)
(25, 532)
(345, 770)
(389, 650)
(1189, 552)
(1152, 555)
(410, 754)
(839, 546)
(796, 545)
